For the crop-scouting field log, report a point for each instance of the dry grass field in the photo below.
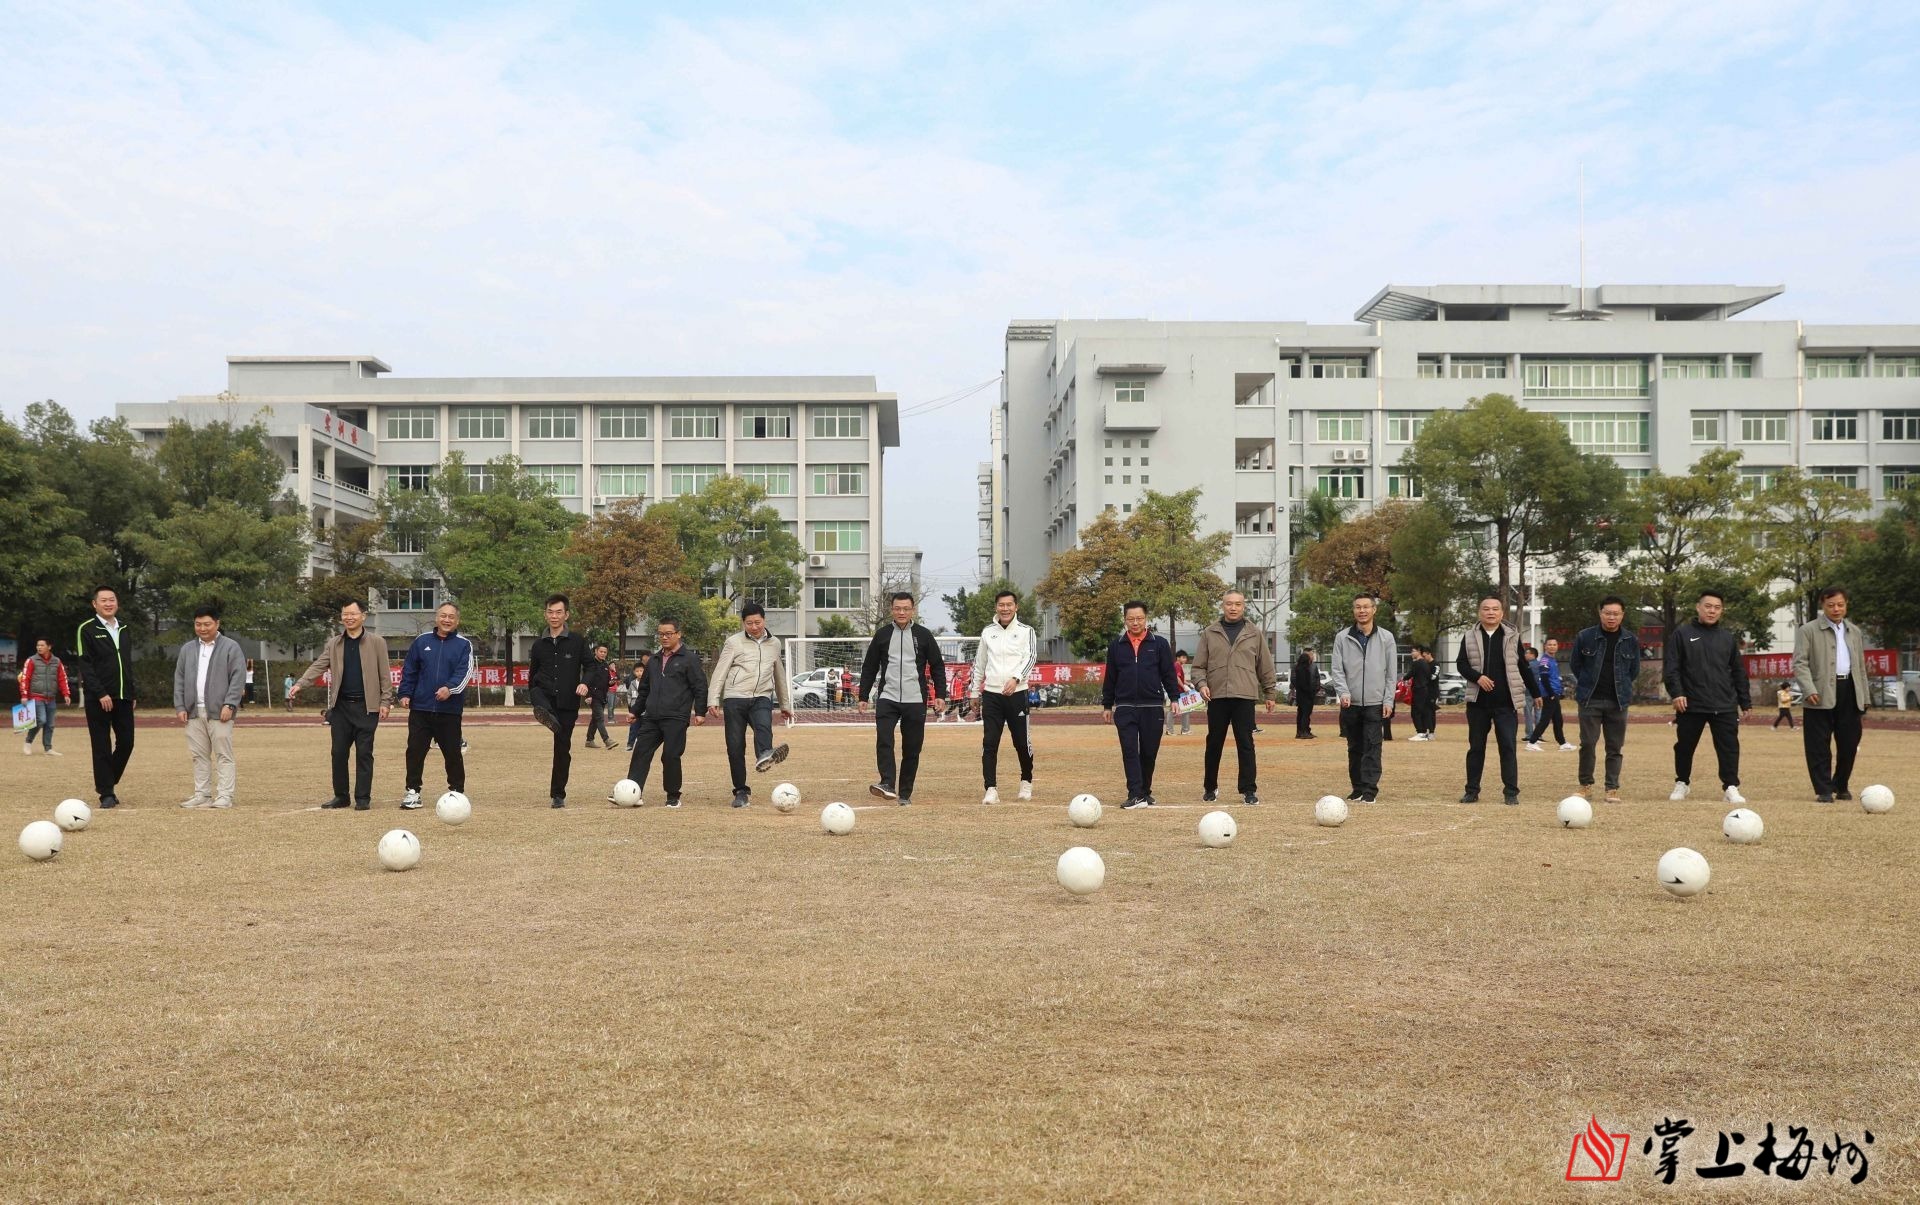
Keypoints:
(597, 1004)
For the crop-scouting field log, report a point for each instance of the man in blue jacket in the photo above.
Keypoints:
(1546, 672)
(433, 686)
(1138, 681)
(1606, 659)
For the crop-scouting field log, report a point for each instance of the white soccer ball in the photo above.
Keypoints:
(837, 818)
(1684, 872)
(1080, 870)
(399, 850)
(1877, 799)
(454, 808)
(1084, 811)
(626, 793)
(786, 797)
(1574, 812)
(1742, 826)
(1217, 830)
(72, 815)
(41, 840)
(1330, 810)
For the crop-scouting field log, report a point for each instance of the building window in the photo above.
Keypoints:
(624, 481)
(625, 422)
(1763, 428)
(1756, 478)
(562, 479)
(1429, 368)
(1894, 478)
(1479, 368)
(693, 422)
(1403, 426)
(839, 593)
(480, 422)
(1126, 479)
(1900, 426)
(830, 480)
(1742, 367)
(479, 478)
(838, 422)
(1293, 426)
(552, 422)
(768, 597)
(1341, 428)
(1109, 480)
(838, 537)
(1896, 366)
(1341, 483)
(410, 477)
(689, 478)
(1693, 368)
(413, 422)
(1109, 462)
(1847, 477)
(422, 595)
(766, 422)
(1587, 378)
(1637, 474)
(776, 479)
(1402, 484)
(1831, 367)
(1128, 392)
(1623, 431)
(1340, 367)
(1836, 426)
(1706, 427)
(405, 541)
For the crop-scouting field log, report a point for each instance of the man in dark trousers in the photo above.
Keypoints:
(355, 662)
(1546, 674)
(1138, 676)
(1707, 682)
(672, 690)
(433, 686)
(1425, 677)
(902, 662)
(1499, 682)
(556, 680)
(1233, 669)
(1832, 677)
(1366, 664)
(599, 678)
(104, 646)
(1306, 689)
(1606, 658)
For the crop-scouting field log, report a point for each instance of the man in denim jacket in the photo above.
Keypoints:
(1606, 659)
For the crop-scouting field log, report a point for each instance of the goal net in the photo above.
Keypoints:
(824, 676)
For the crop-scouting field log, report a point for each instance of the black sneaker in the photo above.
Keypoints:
(1511, 800)
(1149, 799)
(1369, 797)
(1823, 797)
(363, 805)
(331, 803)
(559, 801)
(1131, 804)
(1210, 797)
(779, 754)
(1356, 797)
(1470, 797)
(741, 799)
(1250, 799)
(881, 790)
(904, 801)
(109, 801)
(1843, 793)
(673, 801)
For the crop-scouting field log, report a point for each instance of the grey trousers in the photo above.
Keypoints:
(1598, 717)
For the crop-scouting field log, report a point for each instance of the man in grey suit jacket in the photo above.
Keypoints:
(1829, 668)
(209, 680)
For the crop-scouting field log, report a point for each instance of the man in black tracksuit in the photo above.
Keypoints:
(671, 691)
(1425, 676)
(599, 677)
(902, 660)
(1707, 682)
(105, 648)
(555, 681)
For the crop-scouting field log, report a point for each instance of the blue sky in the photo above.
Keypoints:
(533, 189)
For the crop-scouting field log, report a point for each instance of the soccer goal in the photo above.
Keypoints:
(824, 675)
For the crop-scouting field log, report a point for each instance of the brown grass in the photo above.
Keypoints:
(596, 1004)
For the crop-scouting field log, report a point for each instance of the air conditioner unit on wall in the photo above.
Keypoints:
(1340, 455)
(1359, 456)
(816, 561)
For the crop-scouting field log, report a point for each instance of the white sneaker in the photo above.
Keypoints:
(27, 748)
(1734, 795)
(992, 795)
(1026, 791)
(1534, 747)
(410, 800)
(1679, 791)
(1569, 748)
(196, 802)
(55, 753)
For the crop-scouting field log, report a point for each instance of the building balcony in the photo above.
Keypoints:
(1131, 416)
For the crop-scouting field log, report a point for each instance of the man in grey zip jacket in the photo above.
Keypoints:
(209, 680)
(1366, 660)
(748, 678)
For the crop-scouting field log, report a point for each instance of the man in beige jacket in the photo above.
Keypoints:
(355, 661)
(748, 679)
(1829, 668)
(1232, 669)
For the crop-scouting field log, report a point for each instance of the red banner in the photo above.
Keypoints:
(1047, 673)
(1876, 663)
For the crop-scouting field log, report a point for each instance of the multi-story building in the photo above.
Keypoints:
(349, 431)
(900, 568)
(1258, 414)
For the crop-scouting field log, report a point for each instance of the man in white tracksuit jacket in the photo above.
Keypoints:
(1002, 671)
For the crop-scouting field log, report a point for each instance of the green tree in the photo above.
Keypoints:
(248, 564)
(1511, 470)
(1156, 555)
(1429, 582)
(1808, 525)
(1881, 572)
(359, 570)
(115, 487)
(47, 566)
(1691, 537)
(1358, 554)
(836, 627)
(733, 542)
(1320, 610)
(221, 461)
(1309, 521)
(624, 555)
(704, 622)
(972, 610)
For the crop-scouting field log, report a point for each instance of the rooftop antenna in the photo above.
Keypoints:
(1579, 311)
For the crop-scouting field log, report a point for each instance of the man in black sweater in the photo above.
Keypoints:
(1425, 676)
(1708, 685)
(672, 690)
(556, 684)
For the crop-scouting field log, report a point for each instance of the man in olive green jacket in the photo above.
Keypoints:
(1232, 669)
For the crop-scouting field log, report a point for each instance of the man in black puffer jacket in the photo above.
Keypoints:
(1708, 685)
